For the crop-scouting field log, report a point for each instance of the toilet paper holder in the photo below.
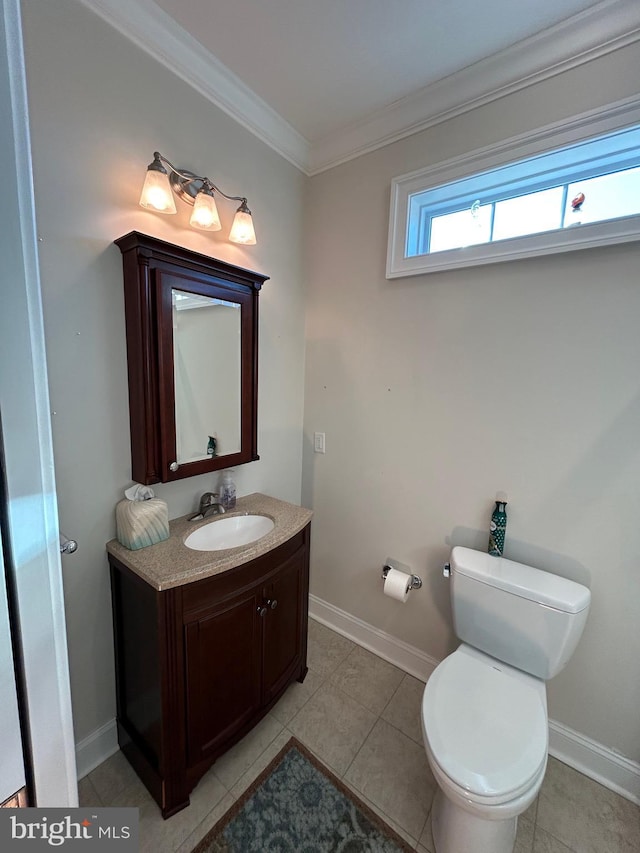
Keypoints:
(416, 582)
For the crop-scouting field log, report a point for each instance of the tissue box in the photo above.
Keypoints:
(141, 523)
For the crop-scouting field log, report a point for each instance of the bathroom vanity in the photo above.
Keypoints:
(206, 642)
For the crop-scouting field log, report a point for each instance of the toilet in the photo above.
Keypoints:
(484, 708)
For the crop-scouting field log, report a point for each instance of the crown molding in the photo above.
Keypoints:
(595, 32)
(149, 27)
(602, 29)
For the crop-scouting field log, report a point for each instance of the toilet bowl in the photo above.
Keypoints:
(485, 731)
(484, 708)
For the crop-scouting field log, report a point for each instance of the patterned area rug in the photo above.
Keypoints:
(296, 805)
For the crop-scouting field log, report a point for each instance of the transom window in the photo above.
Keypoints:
(586, 193)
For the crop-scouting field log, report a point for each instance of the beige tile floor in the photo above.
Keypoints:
(360, 715)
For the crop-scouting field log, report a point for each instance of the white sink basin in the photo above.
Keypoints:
(229, 532)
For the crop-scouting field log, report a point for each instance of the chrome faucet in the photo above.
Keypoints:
(208, 504)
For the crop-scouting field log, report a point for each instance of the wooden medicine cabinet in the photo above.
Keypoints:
(192, 353)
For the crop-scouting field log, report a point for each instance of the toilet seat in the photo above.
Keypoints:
(485, 726)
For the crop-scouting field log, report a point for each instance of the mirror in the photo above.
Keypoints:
(206, 335)
(192, 351)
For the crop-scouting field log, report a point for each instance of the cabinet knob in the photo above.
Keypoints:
(272, 603)
(262, 610)
(174, 466)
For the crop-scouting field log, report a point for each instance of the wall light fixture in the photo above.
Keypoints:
(160, 186)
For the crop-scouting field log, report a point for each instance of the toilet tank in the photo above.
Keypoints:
(523, 616)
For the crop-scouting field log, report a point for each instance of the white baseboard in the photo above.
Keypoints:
(404, 656)
(96, 748)
(598, 762)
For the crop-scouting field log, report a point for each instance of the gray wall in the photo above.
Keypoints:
(436, 391)
(99, 108)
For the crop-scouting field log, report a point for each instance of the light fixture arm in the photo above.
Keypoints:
(190, 178)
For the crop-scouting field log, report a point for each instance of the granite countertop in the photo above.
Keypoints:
(171, 563)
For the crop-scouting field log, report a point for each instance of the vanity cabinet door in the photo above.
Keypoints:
(285, 626)
(222, 654)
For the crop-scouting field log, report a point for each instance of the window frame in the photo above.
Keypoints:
(615, 117)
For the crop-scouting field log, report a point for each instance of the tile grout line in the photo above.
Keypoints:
(536, 827)
(378, 718)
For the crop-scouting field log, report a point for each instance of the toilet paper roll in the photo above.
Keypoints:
(397, 585)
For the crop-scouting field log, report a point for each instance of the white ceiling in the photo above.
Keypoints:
(325, 80)
(323, 64)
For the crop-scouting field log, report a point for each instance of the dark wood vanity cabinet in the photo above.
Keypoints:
(198, 665)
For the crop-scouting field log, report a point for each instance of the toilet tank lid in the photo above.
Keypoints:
(519, 579)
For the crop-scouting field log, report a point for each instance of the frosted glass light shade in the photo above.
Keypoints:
(160, 185)
(156, 192)
(242, 228)
(205, 213)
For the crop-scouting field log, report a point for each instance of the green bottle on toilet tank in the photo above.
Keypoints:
(498, 526)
